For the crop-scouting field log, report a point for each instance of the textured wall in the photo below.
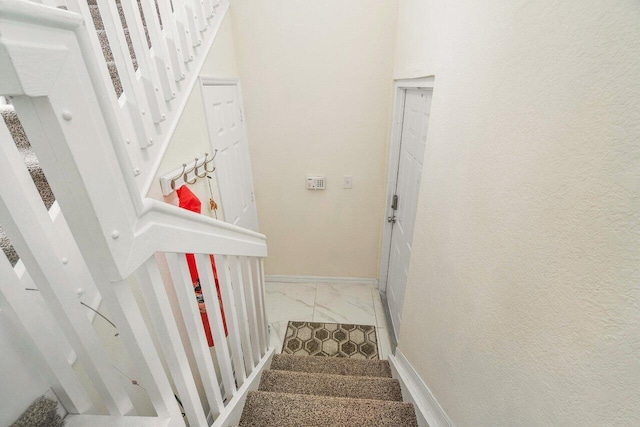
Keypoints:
(415, 39)
(523, 302)
(317, 86)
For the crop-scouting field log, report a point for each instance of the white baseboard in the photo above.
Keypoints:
(233, 410)
(414, 390)
(321, 280)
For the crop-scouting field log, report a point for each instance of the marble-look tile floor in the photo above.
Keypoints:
(332, 303)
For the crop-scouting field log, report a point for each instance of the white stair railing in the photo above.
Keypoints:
(116, 239)
(170, 39)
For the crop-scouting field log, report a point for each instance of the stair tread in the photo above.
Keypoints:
(284, 409)
(97, 18)
(356, 387)
(106, 48)
(332, 365)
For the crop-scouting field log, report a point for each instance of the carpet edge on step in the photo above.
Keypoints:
(288, 410)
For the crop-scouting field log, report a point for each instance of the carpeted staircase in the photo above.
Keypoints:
(323, 391)
(297, 390)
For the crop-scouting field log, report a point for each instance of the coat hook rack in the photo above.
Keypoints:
(188, 173)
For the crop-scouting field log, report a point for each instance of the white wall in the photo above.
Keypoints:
(317, 86)
(523, 303)
(415, 39)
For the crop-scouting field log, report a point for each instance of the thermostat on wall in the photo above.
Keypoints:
(316, 183)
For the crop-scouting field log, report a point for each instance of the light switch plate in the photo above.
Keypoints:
(348, 181)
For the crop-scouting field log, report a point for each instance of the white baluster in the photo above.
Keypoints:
(215, 322)
(197, 6)
(241, 309)
(254, 263)
(192, 22)
(165, 325)
(231, 314)
(134, 332)
(172, 37)
(208, 8)
(134, 95)
(193, 322)
(265, 324)
(256, 345)
(185, 24)
(46, 354)
(147, 68)
(28, 225)
(159, 49)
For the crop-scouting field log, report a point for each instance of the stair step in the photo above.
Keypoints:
(115, 77)
(282, 409)
(331, 385)
(331, 365)
(106, 48)
(97, 19)
(12, 121)
(32, 163)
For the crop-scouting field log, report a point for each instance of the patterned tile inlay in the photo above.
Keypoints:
(331, 340)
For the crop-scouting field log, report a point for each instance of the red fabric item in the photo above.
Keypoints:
(188, 200)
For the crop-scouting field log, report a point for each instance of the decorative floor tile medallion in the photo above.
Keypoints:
(331, 340)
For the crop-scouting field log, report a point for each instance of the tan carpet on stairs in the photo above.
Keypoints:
(323, 391)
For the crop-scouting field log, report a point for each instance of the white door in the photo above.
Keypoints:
(410, 160)
(233, 168)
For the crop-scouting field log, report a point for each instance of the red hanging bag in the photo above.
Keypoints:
(189, 201)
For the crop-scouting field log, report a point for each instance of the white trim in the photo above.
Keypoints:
(218, 81)
(233, 411)
(400, 88)
(414, 390)
(421, 82)
(321, 280)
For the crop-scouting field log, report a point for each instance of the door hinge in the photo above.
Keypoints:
(241, 115)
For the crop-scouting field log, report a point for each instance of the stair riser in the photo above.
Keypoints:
(332, 366)
(331, 385)
(288, 410)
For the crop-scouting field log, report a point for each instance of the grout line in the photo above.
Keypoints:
(315, 297)
(375, 312)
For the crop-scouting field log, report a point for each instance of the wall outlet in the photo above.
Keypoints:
(348, 181)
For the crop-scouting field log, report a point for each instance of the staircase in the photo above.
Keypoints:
(97, 106)
(98, 87)
(314, 391)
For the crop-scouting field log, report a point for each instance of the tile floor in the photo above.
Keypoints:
(334, 303)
